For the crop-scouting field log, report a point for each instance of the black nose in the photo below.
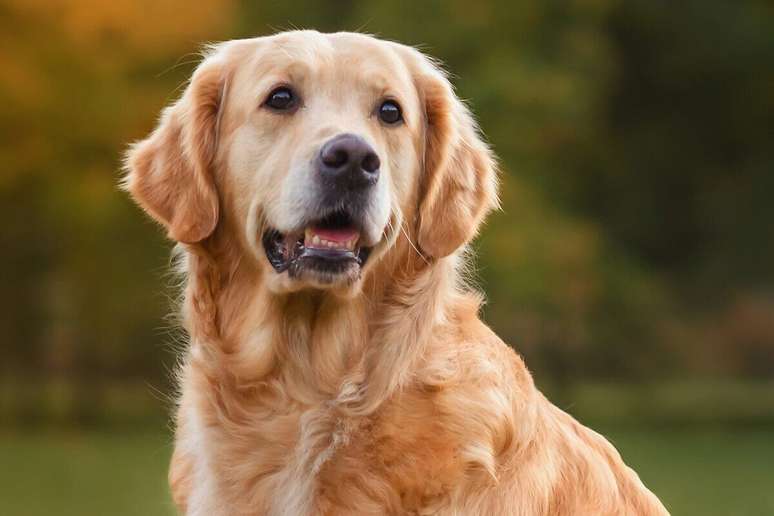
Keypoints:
(348, 161)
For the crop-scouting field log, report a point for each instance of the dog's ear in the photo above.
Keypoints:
(169, 174)
(459, 184)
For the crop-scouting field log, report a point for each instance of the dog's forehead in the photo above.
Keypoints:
(343, 59)
(337, 48)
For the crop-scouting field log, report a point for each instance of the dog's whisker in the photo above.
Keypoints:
(414, 247)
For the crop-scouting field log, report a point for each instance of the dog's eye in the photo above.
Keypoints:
(281, 99)
(390, 112)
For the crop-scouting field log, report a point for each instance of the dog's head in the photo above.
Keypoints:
(319, 151)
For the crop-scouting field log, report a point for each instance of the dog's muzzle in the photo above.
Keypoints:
(347, 170)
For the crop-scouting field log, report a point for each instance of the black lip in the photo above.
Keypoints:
(330, 255)
(274, 246)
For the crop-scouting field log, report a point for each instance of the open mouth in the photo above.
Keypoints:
(330, 246)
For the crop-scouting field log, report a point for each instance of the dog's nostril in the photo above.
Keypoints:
(370, 162)
(335, 157)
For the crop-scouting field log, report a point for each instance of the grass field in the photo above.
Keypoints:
(695, 472)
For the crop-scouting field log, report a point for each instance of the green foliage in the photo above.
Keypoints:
(636, 233)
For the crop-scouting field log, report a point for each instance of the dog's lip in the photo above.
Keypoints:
(318, 245)
(284, 252)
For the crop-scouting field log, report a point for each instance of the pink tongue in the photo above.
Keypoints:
(336, 235)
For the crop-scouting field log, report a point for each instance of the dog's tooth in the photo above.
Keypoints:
(316, 240)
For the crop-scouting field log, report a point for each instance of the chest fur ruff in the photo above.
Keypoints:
(280, 457)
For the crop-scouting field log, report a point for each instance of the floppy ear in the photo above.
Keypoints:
(169, 173)
(459, 185)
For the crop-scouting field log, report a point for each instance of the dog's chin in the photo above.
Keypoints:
(324, 272)
(328, 253)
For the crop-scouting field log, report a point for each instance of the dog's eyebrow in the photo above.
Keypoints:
(380, 86)
(282, 69)
(383, 78)
(296, 71)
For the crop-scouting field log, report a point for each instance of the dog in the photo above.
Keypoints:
(322, 189)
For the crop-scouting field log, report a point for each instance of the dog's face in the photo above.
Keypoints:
(319, 151)
(325, 154)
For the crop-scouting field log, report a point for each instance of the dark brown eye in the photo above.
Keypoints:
(281, 99)
(390, 112)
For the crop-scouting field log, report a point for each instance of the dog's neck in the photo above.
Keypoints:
(355, 350)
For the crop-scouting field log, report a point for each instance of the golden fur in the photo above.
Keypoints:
(382, 395)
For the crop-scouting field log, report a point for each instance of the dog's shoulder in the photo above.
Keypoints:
(480, 390)
(504, 428)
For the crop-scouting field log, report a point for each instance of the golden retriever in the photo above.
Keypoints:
(322, 189)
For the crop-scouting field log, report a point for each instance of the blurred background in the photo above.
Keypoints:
(632, 263)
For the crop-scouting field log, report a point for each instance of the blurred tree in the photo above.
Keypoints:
(636, 237)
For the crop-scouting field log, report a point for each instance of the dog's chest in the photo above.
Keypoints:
(313, 460)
